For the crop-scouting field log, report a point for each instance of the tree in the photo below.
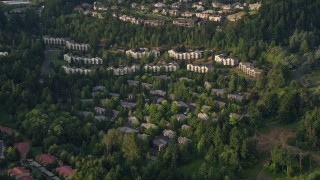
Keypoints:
(11, 154)
(112, 139)
(309, 126)
(130, 148)
(304, 47)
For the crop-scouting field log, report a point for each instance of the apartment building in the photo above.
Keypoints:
(154, 23)
(200, 68)
(124, 70)
(184, 22)
(71, 58)
(249, 69)
(142, 52)
(185, 55)
(226, 61)
(74, 70)
(161, 66)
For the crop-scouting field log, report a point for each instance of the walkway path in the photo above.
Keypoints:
(45, 68)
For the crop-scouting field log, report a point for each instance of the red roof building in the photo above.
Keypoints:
(18, 172)
(23, 148)
(45, 159)
(26, 178)
(64, 171)
(8, 131)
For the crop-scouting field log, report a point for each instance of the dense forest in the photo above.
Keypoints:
(282, 38)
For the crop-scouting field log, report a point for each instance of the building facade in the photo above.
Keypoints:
(200, 68)
(157, 68)
(54, 41)
(226, 61)
(142, 52)
(75, 70)
(185, 55)
(71, 58)
(249, 69)
(124, 70)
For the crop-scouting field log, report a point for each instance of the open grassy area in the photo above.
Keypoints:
(53, 56)
(191, 168)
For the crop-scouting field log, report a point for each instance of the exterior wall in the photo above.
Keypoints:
(124, 70)
(73, 70)
(249, 69)
(70, 58)
(142, 53)
(199, 68)
(185, 55)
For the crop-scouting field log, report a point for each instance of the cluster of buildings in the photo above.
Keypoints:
(86, 60)
(184, 22)
(20, 173)
(66, 42)
(226, 61)
(124, 70)
(161, 66)
(249, 69)
(131, 19)
(236, 6)
(76, 70)
(4, 54)
(200, 68)
(39, 165)
(142, 52)
(185, 55)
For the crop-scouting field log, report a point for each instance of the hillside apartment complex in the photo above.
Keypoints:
(226, 61)
(249, 69)
(71, 58)
(142, 52)
(66, 42)
(185, 55)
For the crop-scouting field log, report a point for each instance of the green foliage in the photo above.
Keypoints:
(130, 148)
(11, 154)
(309, 127)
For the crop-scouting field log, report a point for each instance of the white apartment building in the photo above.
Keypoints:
(255, 6)
(216, 18)
(71, 58)
(74, 70)
(131, 19)
(124, 70)
(185, 55)
(249, 69)
(203, 15)
(162, 66)
(4, 54)
(142, 52)
(200, 68)
(77, 46)
(54, 41)
(221, 59)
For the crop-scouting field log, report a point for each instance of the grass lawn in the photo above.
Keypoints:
(191, 168)
(291, 126)
(53, 56)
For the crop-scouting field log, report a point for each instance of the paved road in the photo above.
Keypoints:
(45, 68)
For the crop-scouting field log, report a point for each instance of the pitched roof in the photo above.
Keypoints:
(45, 158)
(26, 178)
(22, 147)
(16, 171)
(65, 171)
(7, 131)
